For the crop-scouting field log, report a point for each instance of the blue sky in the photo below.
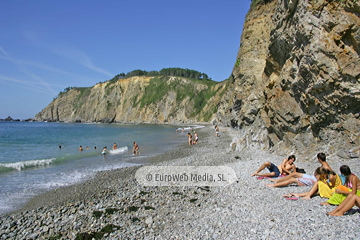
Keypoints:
(46, 46)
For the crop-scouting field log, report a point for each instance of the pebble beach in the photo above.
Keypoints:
(113, 205)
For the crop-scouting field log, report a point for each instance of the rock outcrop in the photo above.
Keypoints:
(295, 86)
(137, 100)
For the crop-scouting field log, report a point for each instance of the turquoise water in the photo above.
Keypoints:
(32, 162)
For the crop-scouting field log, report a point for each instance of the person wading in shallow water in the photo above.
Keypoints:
(196, 138)
(104, 151)
(190, 141)
(136, 148)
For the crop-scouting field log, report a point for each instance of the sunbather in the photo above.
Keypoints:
(321, 157)
(327, 182)
(303, 180)
(352, 185)
(286, 167)
(346, 205)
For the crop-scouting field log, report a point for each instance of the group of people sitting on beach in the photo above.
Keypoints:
(341, 189)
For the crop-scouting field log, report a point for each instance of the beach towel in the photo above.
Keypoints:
(338, 198)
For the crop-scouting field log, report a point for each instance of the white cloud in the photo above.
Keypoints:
(71, 53)
(33, 85)
(39, 81)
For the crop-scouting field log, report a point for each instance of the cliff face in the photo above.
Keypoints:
(296, 82)
(295, 86)
(137, 100)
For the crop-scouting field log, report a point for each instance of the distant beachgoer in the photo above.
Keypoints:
(114, 146)
(59, 146)
(196, 138)
(182, 130)
(176, 130)
(95, 148)
(190, 139)
(87, 147)
(104, 151)
(285, 168)
(81, 148)
(217, 131)
(136, 148)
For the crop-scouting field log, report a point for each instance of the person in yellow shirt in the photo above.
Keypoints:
(327, 182)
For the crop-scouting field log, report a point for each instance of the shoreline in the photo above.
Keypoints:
(76, 192)
(246, 209)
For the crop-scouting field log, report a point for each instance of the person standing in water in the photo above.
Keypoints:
(136, 148)
(190, 141)
(196, 138)
(115, 146)
(104, 151)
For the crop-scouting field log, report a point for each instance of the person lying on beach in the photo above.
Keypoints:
(321, 157)
(346, 205)
(351, 187)
(286, 167)
(300, 178)
(327, 182)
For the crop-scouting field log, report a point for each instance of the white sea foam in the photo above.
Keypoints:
(119, 150)
(64, 179)
(25, 164)
(191, 127)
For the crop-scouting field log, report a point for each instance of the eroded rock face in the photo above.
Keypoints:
(296, 84)
(129, 101)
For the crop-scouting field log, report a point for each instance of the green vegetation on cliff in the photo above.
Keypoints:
(161, 86)
(178, 72)
(84, 93)
(168, 95)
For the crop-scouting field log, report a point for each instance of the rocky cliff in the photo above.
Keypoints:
(295, 86)
(137, 100)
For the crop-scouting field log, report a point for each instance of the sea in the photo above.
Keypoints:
(40, 156)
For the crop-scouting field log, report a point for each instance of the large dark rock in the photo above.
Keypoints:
(9, 119)
(297, 78)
